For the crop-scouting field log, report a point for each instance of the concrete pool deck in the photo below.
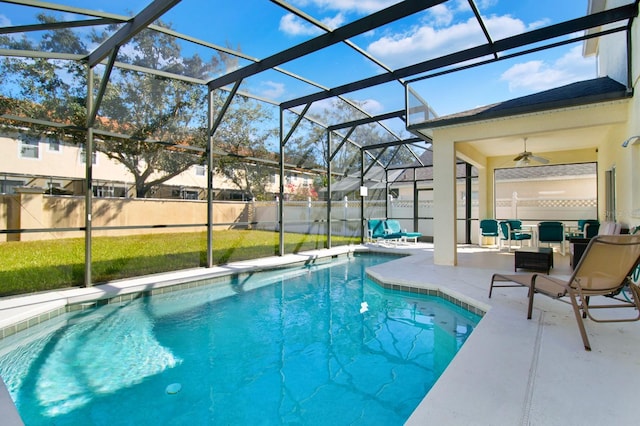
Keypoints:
(511, 371)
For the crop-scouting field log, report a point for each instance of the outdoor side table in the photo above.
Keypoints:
(577, 248)
(534, 258)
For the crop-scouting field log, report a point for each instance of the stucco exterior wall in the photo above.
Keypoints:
(31, 209)
(632, 177)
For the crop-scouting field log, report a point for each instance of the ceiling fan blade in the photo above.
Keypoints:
(521, 156)
(541, 160)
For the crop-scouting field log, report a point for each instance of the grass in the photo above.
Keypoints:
(34, 266)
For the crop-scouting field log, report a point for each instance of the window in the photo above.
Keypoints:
(200, 170)
(185, 194)
(8, 186)
(103, 191)
(565, 192)
(29, 147)
(83, 155)
(54, 143)
(190, 195)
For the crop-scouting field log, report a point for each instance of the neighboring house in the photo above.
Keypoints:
(59, 168)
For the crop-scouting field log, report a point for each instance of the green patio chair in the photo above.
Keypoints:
(552, 232)
(489, 228)
(588, 228)
(393, 227)
(376, 231)
(511, 230)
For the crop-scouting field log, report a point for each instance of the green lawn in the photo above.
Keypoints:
(33, 266)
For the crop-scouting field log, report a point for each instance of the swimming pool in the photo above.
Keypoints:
(309, 345)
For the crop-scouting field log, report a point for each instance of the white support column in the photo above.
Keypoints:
(444, 196)
(485, 206)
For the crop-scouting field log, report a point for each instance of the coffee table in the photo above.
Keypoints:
(534, 258)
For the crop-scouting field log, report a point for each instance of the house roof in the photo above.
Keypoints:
(580, 93)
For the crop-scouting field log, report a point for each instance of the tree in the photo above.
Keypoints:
(41, 88)
(346, 157)
(244, 137)
(161, 117)
(151, 108)
(175, 112)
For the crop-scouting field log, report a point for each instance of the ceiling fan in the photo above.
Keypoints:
(525, 157)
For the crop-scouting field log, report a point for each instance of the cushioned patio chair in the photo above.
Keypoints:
(588, 228)
(552, 233)
(489, 228)
(393, 227)
(512, 231)
(603, 270)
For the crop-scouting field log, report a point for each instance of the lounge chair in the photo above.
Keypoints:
(603, 271)
(393, 227)
(377, 231)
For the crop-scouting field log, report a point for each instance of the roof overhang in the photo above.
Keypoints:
(577, 94)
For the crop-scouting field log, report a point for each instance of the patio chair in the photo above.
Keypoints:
(552, 232)
(393, 227)
(376, 231)
(603, 271)
(512, 231)
(589, 227)
(489, 228)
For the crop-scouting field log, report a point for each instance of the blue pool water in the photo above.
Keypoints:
(310, 345)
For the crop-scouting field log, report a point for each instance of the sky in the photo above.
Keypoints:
(260, 28)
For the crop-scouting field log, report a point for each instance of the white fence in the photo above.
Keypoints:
(310, 216)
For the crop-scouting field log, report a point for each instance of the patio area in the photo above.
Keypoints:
(510, 371)
(516, 371)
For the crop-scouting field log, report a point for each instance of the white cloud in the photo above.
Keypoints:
(334, 22)
(425, 42)
(372, 106)
(538, 24)
(441, 15)
(540, 75)
(273, 90)
(4, 21)
(318, 108)
(292, 25)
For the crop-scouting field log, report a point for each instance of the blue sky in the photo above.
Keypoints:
(260, 28)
